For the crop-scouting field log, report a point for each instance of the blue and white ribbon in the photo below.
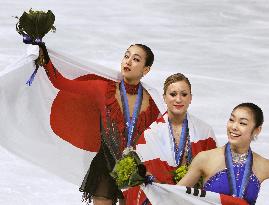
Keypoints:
(179, 152)
(231, 175)
(130, 123)
(28, 40)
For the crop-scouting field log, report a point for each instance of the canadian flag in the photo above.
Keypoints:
(156, 149)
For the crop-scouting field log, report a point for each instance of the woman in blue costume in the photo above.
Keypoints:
(233, 169)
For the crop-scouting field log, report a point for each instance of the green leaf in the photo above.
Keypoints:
(125, 171)
(44, 23)
(36, 23)
(27, 24)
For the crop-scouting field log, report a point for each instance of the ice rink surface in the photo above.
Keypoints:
(222, 46)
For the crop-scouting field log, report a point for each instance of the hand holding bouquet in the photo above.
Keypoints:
(33, 26)
(129, 171)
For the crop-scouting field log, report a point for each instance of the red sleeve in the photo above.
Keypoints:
(76, 110)
(95, 89)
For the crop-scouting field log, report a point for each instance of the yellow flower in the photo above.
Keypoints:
(123, 169)
(181, 171)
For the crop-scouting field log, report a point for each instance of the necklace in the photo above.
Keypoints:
(231, 175)
(239, 158)
(131, 89)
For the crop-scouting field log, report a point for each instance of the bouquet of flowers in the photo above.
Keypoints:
(129, 171)
(180, 172)
(34, 25)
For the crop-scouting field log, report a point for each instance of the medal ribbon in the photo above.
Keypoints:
(231, 175)
(182, 142)
(130, 123)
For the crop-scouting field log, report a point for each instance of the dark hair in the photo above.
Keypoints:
(175, 78)
(256, 111)
(149, 53)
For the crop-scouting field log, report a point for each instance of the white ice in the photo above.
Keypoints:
(222, 45)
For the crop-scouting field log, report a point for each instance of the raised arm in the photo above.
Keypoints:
(92, 88)
(195, 171)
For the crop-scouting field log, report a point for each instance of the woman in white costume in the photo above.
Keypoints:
(174, 139)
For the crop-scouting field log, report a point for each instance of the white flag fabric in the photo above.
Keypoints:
(25, 114)
(176, 195)
(160, 194)
(156, 149)
(26, 130)
(158, 143)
